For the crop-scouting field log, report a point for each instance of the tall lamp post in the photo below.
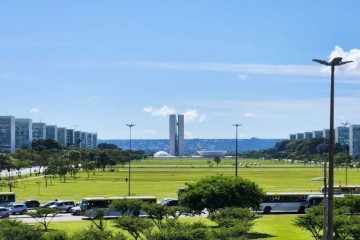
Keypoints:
(330, 218)
(130, 126)
(236, 149)
(345, 124)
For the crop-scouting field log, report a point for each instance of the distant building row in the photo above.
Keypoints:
(343, 135)
(21, 132)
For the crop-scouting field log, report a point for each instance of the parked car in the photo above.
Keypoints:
(64, 205)
(18, 208)
(77, 209)
(4, 212)
(170, 202)
(48, 204)
(32, 203)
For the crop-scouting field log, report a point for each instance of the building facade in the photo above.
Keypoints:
(51, 132)
(292, 136)
(318, 134)
(77, 138)
(176, 135)
(7, 134)
(83, 142)
(89, 140)
(94, 140)
(326, 133)
(354, 140)
(38, 131)
(70, 137)
(308, 135)
(342, 135)
(299, 135)
(23, 133)
(61, 136)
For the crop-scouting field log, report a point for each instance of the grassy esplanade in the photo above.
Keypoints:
(163, 177)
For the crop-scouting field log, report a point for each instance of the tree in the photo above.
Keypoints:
(103, 159)
(232, 222)
(96, 216)
(16, 230)
(44, 216)
(127, 207)
(217, 192)
(217, 160)
(137, 227)
(46, 144)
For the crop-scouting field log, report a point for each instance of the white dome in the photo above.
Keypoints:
(162, 154)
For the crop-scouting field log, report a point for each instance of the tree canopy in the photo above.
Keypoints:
(217, 192)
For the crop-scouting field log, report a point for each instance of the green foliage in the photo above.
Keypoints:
(97, 217)
(44, 216)
(46, 144)
(127, 207)
(232, 222)
(16, 230)
(55, 235)
(157, 213)
(174, 229)
(217, 160)
(217, 192)
(106, 146)
(93, 233)
(137, 227)
(312, 221)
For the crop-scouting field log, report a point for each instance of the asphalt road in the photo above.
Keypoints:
(63, 217)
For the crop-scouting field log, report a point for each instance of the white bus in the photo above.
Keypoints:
(87, 204)
(284, 202)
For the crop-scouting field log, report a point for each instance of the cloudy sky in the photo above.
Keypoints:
(98, 65)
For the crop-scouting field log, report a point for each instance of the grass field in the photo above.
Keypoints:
(162, 178)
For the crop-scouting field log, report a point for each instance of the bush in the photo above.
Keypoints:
(16, 230)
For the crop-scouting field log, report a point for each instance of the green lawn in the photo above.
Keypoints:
(162, 178)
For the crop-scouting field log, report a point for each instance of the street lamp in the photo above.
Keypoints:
(236, 149)
(330, 219)
(345, 124)
(130, 126)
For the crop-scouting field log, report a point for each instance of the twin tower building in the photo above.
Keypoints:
(176, 135)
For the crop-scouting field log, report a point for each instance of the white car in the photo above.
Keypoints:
(19, 208)
(4, 212)
(65, 205)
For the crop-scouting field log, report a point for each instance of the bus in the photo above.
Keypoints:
(91, 203)
(284, 202)
(6, 198)
(349, 189)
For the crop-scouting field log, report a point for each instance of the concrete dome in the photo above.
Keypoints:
(162, 154)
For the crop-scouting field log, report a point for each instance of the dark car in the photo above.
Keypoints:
(32, 203)
(48, 204)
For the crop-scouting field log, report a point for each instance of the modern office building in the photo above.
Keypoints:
(70, 137)
(23, 133)
(292, 136)
(38, 131)
(342, 135)
(176, 135)
(299, 135)
(83, 142)
(51, 132)
(77, 138)
(7, 134)
(318, 134)
(94, 140)
(354, 141)
(61, 136)
(89, 140)
(308, 134)
(326, 133)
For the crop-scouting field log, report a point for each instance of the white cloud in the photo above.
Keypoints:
(202, 118)
(351, 55)
(243, 76)
(34, 110)
(151, 131)
(148, 109)
(191, 115)
(249, 114)
(163, 111)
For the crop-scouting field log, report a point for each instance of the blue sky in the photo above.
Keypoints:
(98, 65)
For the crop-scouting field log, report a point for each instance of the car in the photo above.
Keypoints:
(170, 202)
(48, 204)
(76, 210)
(4, 212)
(18, 208)
(64, 205)
(30, 204)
